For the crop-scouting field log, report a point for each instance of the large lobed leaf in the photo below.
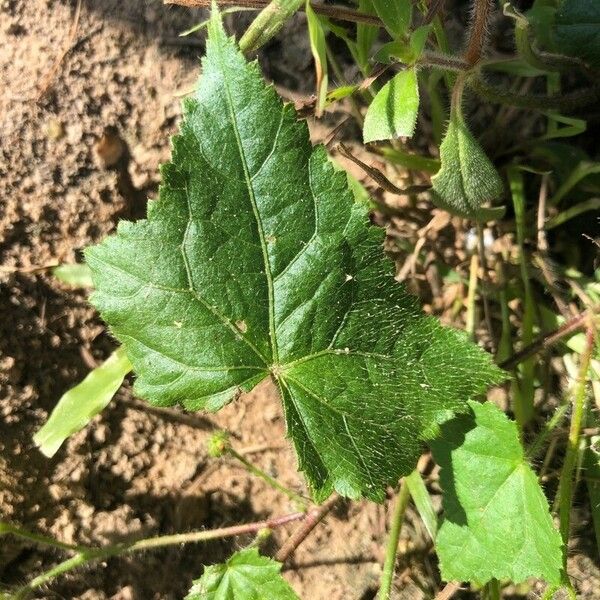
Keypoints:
(245, 576)
(496, 518)
(256, 262)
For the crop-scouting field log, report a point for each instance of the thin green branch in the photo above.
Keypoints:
(297, 498)
(38, 538)
(563, 102)
(87, 555)
(565, 485)
(387, 576)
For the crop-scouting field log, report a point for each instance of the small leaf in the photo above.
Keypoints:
(256, 262)
(393, 111)
(77, 275)
(81, 404)
(245, 576)
(466, 178)
(318, 48)
(418, 39)
(496, 518)
(395, 14)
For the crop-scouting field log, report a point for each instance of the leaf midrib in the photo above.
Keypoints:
(252, 198)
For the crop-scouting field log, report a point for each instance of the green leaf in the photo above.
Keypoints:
(255, 261)
(393, 111)
(81, 404)
(395, 14)
(77, 275)
(577, 30)
(466, 178)
(245, 576)
(316, 35)
(496, 518)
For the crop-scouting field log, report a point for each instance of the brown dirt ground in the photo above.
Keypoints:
(137, 471)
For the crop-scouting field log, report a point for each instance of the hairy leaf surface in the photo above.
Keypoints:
(245, 576)
(393, 111)
(254, 262)
(466, 178)
(496, 518)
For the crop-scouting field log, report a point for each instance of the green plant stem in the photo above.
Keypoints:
(565, 485)
(303, 502)
(562, 102)
(492, 590)
(387, 576)
(39, 539)
(523, 386)
(341, 13)
(88, 555)
(470, 318)
(548, 340)
(540, 441)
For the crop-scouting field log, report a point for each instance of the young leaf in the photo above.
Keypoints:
(318, 48)
(245, 576)
(256, 262)
(466, 178)
(496, 518)
(393, 111)
(81, 404)
(395, 14)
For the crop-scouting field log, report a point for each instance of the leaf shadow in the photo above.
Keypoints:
(452, 436)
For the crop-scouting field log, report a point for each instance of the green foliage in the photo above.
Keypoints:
(245, 576)
(81, 404)
(393, 111)
(466, 178)
(255, 261)
(496, 519)
(577, 30)
(395, 14)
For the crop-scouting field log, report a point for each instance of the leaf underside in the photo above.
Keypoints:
(496, 518)
(245, 576)
(577, 30)
(255, 262)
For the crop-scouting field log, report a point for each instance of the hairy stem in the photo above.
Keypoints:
(37, 538)
(548, 340)
(565, 485)
(312, 519)
(303, 502)
(563, 102)
(87, 555)
(482, 10)
(387, 576)
(340, 13)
